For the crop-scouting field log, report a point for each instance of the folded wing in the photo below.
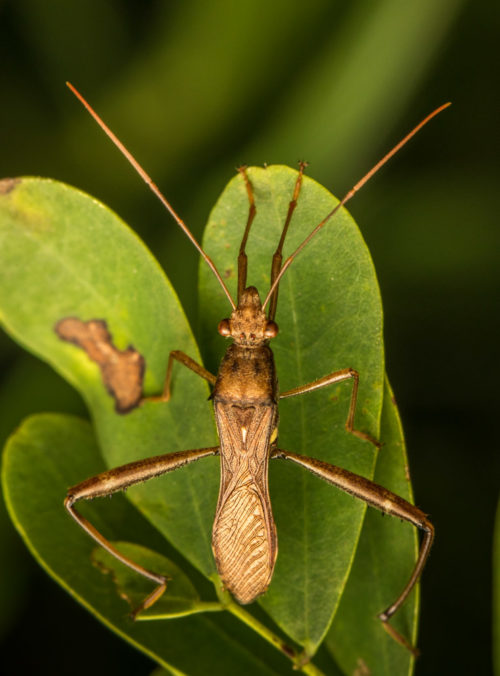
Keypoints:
(244, 535)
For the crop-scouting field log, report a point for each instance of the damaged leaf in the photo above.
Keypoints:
(122, 370)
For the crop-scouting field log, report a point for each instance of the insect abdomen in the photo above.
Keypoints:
(244, 544)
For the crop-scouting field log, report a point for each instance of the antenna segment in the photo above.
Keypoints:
(153, 187)
(348, 196)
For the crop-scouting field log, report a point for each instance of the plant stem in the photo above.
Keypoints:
(299, 659)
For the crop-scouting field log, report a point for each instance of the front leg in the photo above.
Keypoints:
(118, 479)
(383, 500)
(330, 379)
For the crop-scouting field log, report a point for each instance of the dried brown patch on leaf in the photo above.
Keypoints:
(122, 370)
(8, 184)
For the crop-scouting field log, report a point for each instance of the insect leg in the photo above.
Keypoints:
(383, 500)
(278, 254)
(242, 257)
(118, 479)
(183, 358)
(330, 379)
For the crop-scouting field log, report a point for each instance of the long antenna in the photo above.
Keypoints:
(348, 196)
(147, 179)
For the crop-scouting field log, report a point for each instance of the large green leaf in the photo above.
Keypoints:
(330, 318)
(45, 455)
(385, 557)
(65, 254)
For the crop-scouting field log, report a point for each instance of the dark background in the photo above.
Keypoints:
(195, 88)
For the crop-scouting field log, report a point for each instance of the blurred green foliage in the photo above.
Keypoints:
(196, 88)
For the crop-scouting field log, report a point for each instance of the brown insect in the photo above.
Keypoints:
(245, 397)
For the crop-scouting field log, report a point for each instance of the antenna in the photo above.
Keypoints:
(149, 182)
(348, 196)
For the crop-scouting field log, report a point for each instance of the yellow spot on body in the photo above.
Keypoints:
(387, 504)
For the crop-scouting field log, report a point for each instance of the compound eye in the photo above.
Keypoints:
(224, 328)
(271, 330)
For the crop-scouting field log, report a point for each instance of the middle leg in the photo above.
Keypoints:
(330, 379)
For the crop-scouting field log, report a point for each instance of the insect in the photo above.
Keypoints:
(245, 396)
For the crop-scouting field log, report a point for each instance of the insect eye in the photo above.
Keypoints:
(271, 330)
(224, 328)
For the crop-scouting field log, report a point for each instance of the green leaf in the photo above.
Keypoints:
(384, 560)
(330, 318)
(180, 597)
(66, 255)
(50, 452)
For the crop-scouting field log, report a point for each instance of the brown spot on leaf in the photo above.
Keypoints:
(122, 370)
(8, 184)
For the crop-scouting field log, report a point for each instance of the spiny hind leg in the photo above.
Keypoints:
(386, 502)
(118, 479)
